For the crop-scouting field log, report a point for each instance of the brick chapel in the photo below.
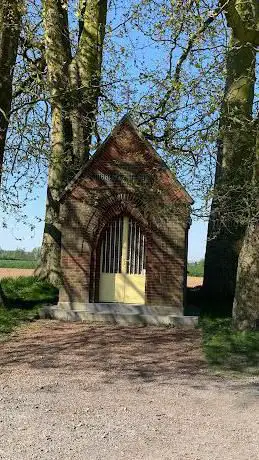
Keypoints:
(124, 226)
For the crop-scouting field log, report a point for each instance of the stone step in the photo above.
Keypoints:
(124, 319)
(121, 308)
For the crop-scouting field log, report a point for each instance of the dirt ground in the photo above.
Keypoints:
(15, 272)
(192, 281)
(75, 391)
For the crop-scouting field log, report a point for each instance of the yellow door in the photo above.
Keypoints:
(122, 275)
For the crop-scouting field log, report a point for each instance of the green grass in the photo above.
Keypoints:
(12, 263)
(11, 318)
(229, 350)
(25, 295)
(196, 268)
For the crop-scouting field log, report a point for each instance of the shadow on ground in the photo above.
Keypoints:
(146, 353)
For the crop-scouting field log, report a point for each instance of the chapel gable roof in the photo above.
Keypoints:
(122, 129)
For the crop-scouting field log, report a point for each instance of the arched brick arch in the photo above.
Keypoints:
(110, 207)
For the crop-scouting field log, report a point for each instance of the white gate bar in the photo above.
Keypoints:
(138, 260)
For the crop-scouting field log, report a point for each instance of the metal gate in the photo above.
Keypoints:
(122, 276)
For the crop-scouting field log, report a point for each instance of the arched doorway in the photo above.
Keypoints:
(122, 263)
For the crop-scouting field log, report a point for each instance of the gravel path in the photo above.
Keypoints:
(73, 391)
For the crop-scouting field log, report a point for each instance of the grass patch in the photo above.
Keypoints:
(10, 318)
(196, 268)
(25, 295)
(12, 263)
(228, 349)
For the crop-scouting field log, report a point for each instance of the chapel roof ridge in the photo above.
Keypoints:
(127, 118)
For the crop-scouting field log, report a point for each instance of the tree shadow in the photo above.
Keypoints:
(115, 353)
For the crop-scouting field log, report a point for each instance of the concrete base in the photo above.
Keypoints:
(120, 314)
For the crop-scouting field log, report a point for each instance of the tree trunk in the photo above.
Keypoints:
(85, 74)
(51, 244)
(3, 300)
(246, 302)
(74, 86)
(243, 18)
(10, 27)
(228, 216)
(58, 58)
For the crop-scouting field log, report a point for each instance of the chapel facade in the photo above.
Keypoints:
(124, 231)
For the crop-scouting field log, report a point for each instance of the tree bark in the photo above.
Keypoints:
(51, 244)
(10, 27)
(58, 58)
(228, 216)
(74, 87)
(85, 74)
(243, 18)
(246, 302)
(3, 299)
